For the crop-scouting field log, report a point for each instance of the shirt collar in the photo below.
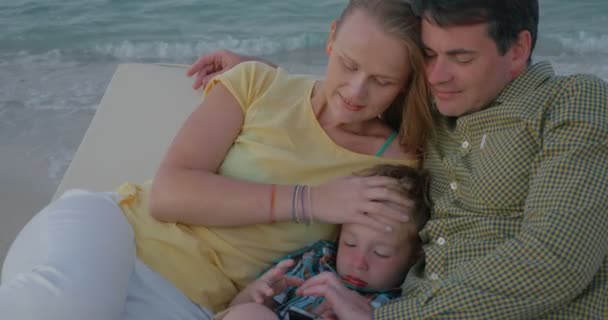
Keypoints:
(527, 82)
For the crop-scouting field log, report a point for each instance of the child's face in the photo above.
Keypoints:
(374, 259)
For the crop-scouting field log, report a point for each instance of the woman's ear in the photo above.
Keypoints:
(330, 38)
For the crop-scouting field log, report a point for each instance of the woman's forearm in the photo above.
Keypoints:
(198, 197)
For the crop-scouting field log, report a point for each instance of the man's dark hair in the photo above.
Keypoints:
(505, 18)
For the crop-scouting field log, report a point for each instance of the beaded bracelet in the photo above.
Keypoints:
(299, 214)
(294, 216)
(311, 221)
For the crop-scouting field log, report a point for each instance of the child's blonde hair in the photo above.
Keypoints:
(415, 184)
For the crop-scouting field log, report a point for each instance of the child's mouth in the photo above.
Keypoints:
(355, 281)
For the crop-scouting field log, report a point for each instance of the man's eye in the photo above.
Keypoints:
(464, 60)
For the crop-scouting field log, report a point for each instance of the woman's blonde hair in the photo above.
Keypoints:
(410, 113)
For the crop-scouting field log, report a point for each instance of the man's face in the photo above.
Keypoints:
(464, 67)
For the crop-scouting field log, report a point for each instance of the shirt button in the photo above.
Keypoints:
(441, 241)
(434, 276)
(454, 186)
(465, 144)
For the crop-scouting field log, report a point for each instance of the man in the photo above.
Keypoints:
(519, 162)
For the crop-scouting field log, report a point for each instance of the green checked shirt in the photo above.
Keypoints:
(519, 228)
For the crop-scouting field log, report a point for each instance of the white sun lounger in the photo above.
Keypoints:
(142, 109)
(140, 113)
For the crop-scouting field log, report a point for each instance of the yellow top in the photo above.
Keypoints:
(281, 142)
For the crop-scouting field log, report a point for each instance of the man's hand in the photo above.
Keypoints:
(346, 304)
(212, 64)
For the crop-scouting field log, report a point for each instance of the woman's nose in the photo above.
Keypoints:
(358, 86)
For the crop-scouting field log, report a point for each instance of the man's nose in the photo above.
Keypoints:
(438, 71)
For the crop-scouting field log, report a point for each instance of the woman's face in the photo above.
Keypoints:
(366, 71)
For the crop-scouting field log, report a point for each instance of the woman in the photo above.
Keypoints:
(229, 189)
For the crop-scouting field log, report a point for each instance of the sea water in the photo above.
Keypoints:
(57, 57)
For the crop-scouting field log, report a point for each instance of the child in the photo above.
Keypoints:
(370, 262)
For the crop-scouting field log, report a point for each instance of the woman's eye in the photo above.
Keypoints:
(348, 244)
(382, 82)
(350, 67)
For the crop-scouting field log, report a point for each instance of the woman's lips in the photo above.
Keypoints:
(349, 105)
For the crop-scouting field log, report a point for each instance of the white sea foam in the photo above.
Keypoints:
(584, 43)
(185, 52)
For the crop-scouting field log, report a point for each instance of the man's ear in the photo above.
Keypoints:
(520, 50)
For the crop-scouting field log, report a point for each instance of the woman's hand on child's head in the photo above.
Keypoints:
(212, 64)
(273, 282)
(375, 201)
(340, 302)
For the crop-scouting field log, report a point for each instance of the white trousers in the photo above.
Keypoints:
(75, 260)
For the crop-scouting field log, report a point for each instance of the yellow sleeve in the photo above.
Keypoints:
(246, 81)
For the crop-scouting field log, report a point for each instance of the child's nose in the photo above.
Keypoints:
(361, 262)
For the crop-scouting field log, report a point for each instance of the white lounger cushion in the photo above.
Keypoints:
(140, 113)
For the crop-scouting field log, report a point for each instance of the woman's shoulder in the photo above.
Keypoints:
(252, 72)
(262, 78)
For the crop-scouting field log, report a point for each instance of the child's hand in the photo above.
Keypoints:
(270, 283)
(340, 302)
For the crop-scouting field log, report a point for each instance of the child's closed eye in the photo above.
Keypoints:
(349, 244)
(382, 255)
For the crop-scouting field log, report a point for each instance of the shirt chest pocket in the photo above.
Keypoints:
(499, 172)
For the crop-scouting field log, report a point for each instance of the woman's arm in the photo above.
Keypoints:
(186, 187)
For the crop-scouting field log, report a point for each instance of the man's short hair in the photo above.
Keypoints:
(506, 19)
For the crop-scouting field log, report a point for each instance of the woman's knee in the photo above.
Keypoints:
(76, 221)
(76, 255)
